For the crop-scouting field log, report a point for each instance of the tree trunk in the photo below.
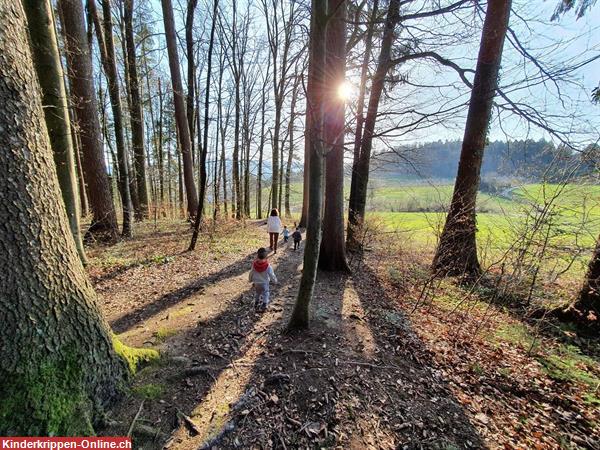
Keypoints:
(589, 297)
(44, 47)
(80, 179)
(107, 55)
(352, 241)
(137, 120)
(300, 314)
(360, 176)
(191, 70)
(161, 171)
(59, 368)
(333, 250)
(261, 149)
(457, 250)
(288, 167)
(180, 113)
(204, 151)
(83, 99)
(307, 126)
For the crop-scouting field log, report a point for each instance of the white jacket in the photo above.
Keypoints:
(274, 224)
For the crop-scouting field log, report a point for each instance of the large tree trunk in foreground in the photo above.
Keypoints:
(44, 47)
(180, 113)
(360, 175)
(300, 314)
(83, 99)
(457, 250)
(137, 120)
(107, 55)
(333, 249)
(58, 367)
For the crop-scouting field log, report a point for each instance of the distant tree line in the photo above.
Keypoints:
(530, 160)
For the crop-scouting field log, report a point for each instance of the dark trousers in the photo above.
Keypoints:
(296, 244)
(273, 237)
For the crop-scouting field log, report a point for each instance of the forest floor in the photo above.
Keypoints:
(378, 368)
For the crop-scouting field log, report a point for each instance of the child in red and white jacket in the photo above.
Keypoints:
(261, 274)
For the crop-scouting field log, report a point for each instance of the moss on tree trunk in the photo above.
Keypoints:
(59, 368)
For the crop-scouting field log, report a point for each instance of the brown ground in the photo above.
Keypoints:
(360, 378)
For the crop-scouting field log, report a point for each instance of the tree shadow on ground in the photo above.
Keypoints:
(138, 315)
(428, 413)
(355, 380)
(198, 360)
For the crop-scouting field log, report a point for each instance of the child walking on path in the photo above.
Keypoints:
(286, 234)
(297, 236)
(261, 275)
(274, 228)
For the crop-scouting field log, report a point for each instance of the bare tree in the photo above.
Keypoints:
(137, 120)
(300, 314)
(204, 151)
(180, 112)
(83, 99)
(107, 55)
(333, 250)
(457, 250)
(44, 46)
(360, 173)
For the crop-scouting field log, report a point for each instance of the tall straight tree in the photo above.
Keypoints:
(300, 315)
(280, 32)
(83, 99)
(109, 62)
(360, 119)
(44, 47)
(333, 249)
(180, 112)
(191, 68)
(203, 152)
(456, 253)
(137, 119)
(59, 368)
(290, 159)
(360, 174)
(307, 127)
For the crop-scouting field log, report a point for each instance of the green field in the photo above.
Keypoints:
(563, 219)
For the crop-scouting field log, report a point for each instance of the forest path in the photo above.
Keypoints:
(229, 378)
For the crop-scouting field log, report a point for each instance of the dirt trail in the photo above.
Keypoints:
(229, 379)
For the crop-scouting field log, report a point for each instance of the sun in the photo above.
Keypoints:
(345, 90)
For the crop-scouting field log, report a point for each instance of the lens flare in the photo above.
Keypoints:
(345, 91)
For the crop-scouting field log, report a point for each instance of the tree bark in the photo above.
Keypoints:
(180, 112)
(333, 250)
(44, 47)
(307, 126)
(59, 369)
(83, 99)
(360, 176)
(107, 55)
(191, 69)
(300, 315)
(137, 120)
(589, 297)
(360, 117)
(457, 250)
(290, 158)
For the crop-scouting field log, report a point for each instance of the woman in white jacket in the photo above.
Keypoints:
(274, 228)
